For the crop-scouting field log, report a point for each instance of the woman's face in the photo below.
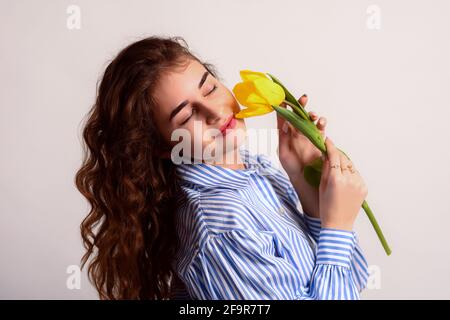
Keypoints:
(193, 100)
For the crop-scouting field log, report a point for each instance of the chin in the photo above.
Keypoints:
(225, 144)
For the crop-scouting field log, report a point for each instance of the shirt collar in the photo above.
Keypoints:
(207, 175)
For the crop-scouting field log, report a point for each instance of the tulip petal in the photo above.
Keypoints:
(270, 91)
(248, 75)
(241, 91)
(252, 112)
(246, 96)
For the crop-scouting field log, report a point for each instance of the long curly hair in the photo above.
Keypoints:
(129, 233)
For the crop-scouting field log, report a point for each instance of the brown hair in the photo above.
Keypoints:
(129, 232)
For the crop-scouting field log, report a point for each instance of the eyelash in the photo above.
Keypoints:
(193, 109)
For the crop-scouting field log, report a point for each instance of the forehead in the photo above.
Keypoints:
(176, 84)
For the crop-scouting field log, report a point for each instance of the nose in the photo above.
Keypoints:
(213, 113)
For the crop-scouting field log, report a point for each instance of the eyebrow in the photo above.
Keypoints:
(185, 102)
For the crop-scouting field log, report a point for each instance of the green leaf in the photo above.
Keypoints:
(305, 126)
(313, 172)
(289, 97)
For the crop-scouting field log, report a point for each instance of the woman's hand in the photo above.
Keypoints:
(342, 190)
(295, 152)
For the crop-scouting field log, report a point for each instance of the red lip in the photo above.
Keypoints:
(225, 125)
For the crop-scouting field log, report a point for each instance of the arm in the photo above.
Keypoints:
(359, 265)
(247, 264)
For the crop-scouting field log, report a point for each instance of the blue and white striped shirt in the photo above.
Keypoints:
(242, 236)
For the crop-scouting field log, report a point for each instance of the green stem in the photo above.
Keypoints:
(377, 228)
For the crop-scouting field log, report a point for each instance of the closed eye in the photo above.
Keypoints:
(187, 119)
(193, 109)
(214, 88)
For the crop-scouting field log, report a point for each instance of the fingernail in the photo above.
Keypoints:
(285, 127)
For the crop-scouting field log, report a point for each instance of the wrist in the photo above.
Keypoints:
(338, 226)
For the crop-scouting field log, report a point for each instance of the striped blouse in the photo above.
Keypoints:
(242, 236)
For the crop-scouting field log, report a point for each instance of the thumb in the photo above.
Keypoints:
(280, 119)
(280, 122)
(283, 136)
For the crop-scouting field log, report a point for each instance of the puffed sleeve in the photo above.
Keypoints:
(359, 265)
(246, 264)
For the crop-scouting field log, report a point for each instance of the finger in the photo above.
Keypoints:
(351, 168)
(345, 162)
(313, 115)
(321, 124)
(303, 100)
(325, 173)
(333, 157)
(349, 171)
(280, 121)
(283, 135)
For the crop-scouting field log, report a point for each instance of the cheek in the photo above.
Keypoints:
(198, 137)
(232, 102)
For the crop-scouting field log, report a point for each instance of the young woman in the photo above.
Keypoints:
(158, 229)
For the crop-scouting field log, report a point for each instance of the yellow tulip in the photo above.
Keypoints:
(258, 93)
